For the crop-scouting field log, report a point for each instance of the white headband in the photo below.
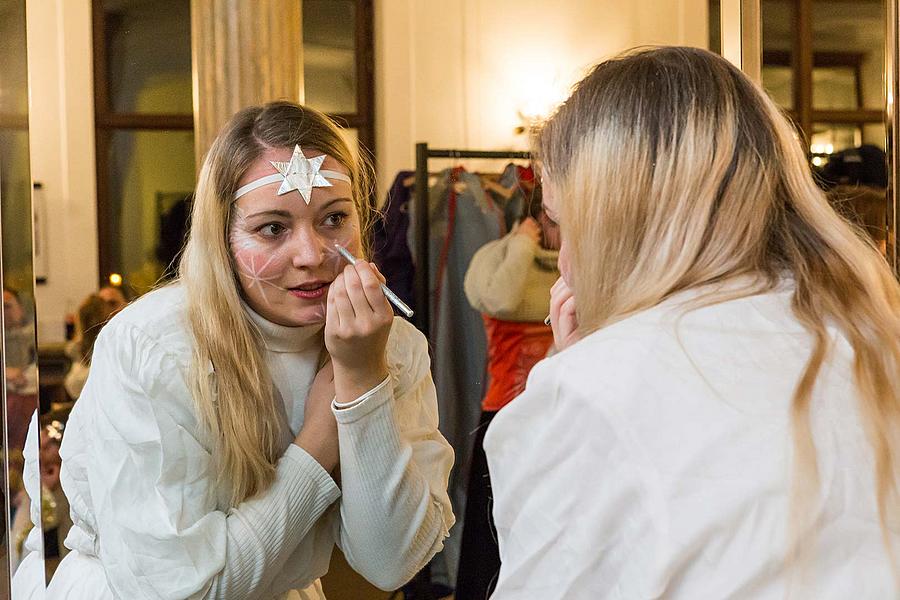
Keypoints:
(301, 174)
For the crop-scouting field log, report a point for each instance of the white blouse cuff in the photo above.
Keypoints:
(342, 406)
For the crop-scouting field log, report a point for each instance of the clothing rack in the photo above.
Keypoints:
(423, 154)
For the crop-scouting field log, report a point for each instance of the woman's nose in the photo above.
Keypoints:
(308, 249)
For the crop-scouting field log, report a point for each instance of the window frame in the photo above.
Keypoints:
(106, 123)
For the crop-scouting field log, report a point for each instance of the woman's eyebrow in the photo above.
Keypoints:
(273, 213)
(328, 203)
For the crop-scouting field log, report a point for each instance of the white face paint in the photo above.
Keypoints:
(283, 249)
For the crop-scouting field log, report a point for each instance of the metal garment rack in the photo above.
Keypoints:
(423, 154)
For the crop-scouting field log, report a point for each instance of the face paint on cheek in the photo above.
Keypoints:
(258, 266)
(239, 235)
(349, 239)
(259, 272)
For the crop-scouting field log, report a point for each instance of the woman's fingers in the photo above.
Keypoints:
(559, 293)
(332, 319)
(378, 273)
(371, 286)
(356, 292)
(357, 302)
(337, 296)
(563, 318)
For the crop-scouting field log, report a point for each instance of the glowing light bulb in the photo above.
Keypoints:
(115, 279)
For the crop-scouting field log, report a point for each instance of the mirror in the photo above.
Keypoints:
(823, 62)
(21, 546)
(127, 150)
(827, 64)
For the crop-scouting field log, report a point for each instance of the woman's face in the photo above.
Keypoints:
(12, 308)
(283, 249)
(551, 212)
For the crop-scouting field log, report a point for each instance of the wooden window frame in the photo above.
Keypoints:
(106, 123)
(802, 60)
(363, 120)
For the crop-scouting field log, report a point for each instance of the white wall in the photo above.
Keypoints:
(455, 73)
(61, 126)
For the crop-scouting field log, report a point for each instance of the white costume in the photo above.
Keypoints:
(150, 524)
(652, 459)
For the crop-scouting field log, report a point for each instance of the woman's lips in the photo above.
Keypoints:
(310, 292)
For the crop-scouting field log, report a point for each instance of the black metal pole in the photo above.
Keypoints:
(421, 249)
(440, 153)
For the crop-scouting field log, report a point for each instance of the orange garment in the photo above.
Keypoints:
(513, 349)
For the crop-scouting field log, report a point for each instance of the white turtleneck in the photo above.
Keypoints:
(139, 473)
(292, 354)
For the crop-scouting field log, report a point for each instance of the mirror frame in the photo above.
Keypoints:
(892, 123)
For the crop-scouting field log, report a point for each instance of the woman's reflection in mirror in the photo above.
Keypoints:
(241, 421)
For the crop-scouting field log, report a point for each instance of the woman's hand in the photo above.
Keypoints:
(529, 228)
(15, 378)
(357, 324)
(562, 315)
(319, 436)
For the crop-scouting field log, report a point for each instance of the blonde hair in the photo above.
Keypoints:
(236, 405)
(674, 171)
(93, 313)
(864, 206)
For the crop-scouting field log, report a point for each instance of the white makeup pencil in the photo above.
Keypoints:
(394, 299)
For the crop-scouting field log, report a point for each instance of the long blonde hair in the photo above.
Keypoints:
(674, 171)
(229, 380)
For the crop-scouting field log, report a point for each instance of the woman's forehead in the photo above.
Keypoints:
(262, 166)
(267, 198)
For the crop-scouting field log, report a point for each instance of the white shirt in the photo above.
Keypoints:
(652, 459)
(137, 471)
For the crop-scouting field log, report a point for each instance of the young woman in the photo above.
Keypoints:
(721, 420)
(239, 423)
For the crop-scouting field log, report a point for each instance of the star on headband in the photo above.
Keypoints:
(301, 174)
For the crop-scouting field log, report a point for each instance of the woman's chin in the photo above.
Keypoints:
(308, 315)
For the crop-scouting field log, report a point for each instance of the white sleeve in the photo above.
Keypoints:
(395, 465)
(150, 475)
(495, 280)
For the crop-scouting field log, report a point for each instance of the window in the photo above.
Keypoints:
(338, 73)
(145, 133)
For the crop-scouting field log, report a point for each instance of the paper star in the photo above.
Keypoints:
(301, 174)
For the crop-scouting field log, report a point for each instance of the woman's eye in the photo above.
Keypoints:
(272, 230)
(336, 219)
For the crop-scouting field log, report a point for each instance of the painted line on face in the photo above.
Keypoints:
(333, 259)
(254, 274)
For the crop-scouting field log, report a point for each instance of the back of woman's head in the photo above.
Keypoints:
(672, 170)
(237, 407)
(864, 206)
(93, 314)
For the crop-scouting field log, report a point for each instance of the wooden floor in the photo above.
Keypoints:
(343, 583)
